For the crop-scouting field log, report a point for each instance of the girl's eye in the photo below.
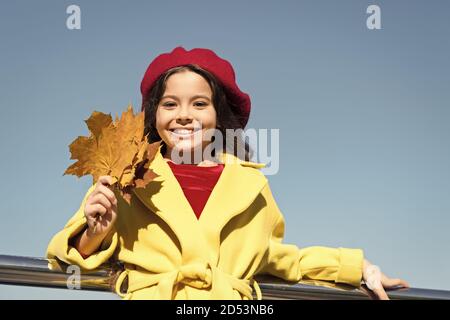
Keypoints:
(197, 104)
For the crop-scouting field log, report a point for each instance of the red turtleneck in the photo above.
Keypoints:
(196, 182)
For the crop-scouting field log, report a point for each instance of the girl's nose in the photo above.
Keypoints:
(184, 115)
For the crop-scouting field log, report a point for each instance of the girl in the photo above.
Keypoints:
(201, 229)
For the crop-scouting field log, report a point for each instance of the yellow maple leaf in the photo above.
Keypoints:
(118, 149)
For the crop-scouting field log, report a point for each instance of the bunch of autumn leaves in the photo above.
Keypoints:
(118, 149)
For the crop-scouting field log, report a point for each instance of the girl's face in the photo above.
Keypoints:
(185, 112)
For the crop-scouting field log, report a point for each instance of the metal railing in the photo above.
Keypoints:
(27, 271)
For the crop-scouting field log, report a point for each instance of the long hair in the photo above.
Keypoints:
(227, 114)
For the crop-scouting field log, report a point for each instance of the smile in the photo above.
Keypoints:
(183, 132)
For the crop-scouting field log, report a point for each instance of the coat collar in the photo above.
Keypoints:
(236, 189)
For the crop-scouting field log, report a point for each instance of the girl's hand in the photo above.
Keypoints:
(376, 281)
(101, 207)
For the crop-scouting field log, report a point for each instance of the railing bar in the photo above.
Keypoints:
(27, 271)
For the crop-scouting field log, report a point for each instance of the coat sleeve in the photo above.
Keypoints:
(60, 245)
(291, 263)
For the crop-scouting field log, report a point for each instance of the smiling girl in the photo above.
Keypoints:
(182, 117)
(203, 228)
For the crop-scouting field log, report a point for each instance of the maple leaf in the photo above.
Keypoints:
(118, 149)
(97, 122)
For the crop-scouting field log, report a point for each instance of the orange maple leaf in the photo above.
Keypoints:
(118, 149)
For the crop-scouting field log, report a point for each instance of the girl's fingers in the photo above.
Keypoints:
(101, 199)
(391, 283)
(91, 221)
(377, 281)
(107, 193)
(96, 209)
(404, 284)
(105, 180)
(381, 294)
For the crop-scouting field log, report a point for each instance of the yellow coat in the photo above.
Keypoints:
(169, 254)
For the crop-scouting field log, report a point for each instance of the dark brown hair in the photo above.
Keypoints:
(227, 115)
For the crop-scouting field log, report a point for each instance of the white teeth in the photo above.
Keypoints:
(182, 131)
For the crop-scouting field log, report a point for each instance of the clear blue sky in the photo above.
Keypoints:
(363, 115)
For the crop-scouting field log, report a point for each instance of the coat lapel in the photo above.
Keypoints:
(234, 192)
(165, 198)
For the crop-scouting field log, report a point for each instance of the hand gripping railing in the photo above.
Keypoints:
(26, 271)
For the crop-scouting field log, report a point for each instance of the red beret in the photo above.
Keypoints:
(207, 60)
